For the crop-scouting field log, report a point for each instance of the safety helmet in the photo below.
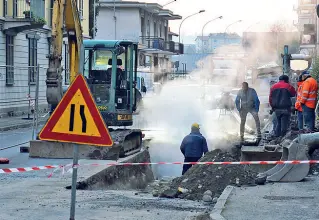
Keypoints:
(195, 125)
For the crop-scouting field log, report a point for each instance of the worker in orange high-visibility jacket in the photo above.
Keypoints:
(309, 100)
(298, 103)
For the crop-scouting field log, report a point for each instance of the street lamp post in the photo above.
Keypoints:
(220, 17)
(251, 26)
(228, 27)
(179, 32)
(169, 3)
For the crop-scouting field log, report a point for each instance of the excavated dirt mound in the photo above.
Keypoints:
(314, 168)
(200, 178)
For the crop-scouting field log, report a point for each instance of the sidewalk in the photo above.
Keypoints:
(285, 201)
(11, 123)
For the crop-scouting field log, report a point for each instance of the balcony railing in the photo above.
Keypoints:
(153, 42)
(174, 47)
(24, 9)
(160, 44)
(308, 2)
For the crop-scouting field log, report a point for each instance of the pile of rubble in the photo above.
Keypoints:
(207, 182)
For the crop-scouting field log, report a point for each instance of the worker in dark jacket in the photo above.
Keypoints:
(280, 102)
(247, 101)
(193, 147)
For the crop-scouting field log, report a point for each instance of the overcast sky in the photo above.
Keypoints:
(250, 11)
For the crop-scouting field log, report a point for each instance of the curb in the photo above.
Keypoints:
(220, 205)
(217, 210)
(18, 126)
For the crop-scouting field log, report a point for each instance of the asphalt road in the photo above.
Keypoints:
(9, 139)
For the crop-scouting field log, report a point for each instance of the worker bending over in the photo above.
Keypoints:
(309, 100)
(193, 147)
(247, 101)
(298, 104)
(280, 102)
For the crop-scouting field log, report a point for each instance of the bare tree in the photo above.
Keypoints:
(281, 26)
(278, 27)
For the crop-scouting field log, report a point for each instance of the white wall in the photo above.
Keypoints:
(18, 92)
(128, 24)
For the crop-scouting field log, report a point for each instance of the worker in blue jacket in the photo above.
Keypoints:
(247, 101)
(193, 147)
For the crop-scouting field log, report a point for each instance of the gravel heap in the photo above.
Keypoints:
(213, 178)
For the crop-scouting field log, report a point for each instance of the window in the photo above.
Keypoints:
(49, 45)
(5, 9)
(80, 7)
(9, 60)
(33, 59)
(66, 65)
(155, 29)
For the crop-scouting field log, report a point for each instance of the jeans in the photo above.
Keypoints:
(283, 121)
(274, 122)
(53, 108)
(243, 115)
(187, 166)
(309, 117)
(300, 120)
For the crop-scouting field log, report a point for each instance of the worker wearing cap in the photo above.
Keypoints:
(308, 100)
(280, 102)
(247, 101)
(298, 103)
(193, 147)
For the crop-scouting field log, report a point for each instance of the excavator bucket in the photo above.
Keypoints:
(289, 172)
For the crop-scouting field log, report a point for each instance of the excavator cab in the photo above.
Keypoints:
(110, 69)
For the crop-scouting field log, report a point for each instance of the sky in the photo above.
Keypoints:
(249, 11)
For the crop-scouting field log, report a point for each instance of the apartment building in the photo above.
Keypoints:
(145, 23)
(307, 25)
(210, 43)
(25, 43)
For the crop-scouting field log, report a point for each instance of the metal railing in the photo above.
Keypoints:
(23, 92)
(153, 42)
(22, 9)
(160, 44)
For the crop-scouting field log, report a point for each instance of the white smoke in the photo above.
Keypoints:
(180, 103)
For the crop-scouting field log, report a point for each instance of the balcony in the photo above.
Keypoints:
(307, 3)
(21, 15)
(159, 45)
(174, 47)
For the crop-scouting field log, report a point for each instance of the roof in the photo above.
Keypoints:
(172, 33)
(106, 43)
(153, 8)
(202, 38)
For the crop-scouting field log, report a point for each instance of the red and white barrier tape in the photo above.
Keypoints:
(16, 170)
(26, 169)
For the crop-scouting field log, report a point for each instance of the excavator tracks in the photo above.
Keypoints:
(126, 142)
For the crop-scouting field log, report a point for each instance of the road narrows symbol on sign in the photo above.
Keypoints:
(72, 117)
(83, 118)
(76, 119)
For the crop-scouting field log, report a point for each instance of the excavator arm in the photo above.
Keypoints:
(65, 18)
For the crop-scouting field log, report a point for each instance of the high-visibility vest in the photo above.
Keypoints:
(299, 97)
(309, 92)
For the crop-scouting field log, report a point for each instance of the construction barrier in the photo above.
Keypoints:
(17, 170)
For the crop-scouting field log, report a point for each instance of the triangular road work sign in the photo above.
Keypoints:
(76, 119)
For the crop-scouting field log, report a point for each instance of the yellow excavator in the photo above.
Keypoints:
(113, 86)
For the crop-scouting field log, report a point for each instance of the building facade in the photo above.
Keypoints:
(24, 44)
(145, 23)
(307, 25)
(210, 43)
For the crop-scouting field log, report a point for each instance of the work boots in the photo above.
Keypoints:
(258, 139)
